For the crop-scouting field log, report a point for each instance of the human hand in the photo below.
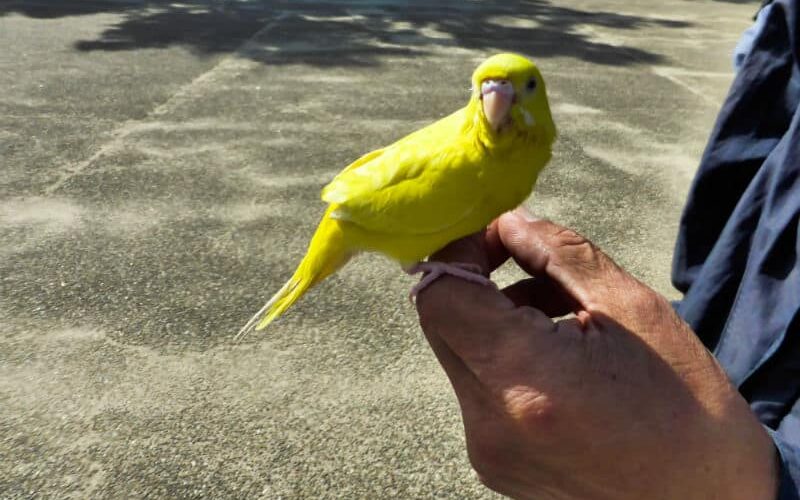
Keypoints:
(622, 401)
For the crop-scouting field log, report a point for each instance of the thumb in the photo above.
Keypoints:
(546, 250)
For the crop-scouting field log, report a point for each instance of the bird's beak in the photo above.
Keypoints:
(497, 97)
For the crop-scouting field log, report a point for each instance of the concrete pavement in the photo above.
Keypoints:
(161, 165)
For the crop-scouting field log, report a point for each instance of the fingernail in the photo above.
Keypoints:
(525, 214)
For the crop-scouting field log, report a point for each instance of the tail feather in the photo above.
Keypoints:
(326, 254)
(254, 322)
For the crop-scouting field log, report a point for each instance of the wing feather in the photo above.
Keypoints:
(422, 184)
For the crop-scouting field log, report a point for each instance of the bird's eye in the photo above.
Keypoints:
(531, 84)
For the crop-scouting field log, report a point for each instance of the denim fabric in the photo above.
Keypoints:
(736, 258)
(745, 44)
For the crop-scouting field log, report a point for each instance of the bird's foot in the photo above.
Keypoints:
(435, 270)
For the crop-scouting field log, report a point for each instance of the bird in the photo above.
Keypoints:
(440, 183)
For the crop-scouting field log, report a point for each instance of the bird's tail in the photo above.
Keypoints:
(326, 253)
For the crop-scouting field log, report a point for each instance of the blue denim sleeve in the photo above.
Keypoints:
(745, 44)
(736, 257)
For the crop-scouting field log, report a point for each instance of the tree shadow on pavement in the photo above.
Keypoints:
(357, 33)
(52, 9)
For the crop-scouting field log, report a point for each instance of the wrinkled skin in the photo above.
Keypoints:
(620, 401)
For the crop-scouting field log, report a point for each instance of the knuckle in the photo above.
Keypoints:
(524, 416)
(570, 246)
(568, 237)
(532, 410)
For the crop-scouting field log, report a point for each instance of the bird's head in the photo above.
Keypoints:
(512, 95)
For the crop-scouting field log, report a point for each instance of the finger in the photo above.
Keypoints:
(484, 249)
(496, 252)
(459, 312)
(475, 321)
(566, 258)
(463, 313)
(478, 323)
(468, 250)
(543, 294)
(468, 389)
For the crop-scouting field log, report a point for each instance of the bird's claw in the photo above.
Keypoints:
(435, 270)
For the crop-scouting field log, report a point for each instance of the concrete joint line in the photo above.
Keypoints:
(181, 95)
(665, 73)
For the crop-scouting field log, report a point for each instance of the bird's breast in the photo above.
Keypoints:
(513, 172)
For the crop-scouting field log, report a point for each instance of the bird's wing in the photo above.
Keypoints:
(422, 184)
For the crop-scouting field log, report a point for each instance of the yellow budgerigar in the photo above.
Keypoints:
(440, 183)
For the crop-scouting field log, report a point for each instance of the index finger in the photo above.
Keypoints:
(475, 321)
(484, 249)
